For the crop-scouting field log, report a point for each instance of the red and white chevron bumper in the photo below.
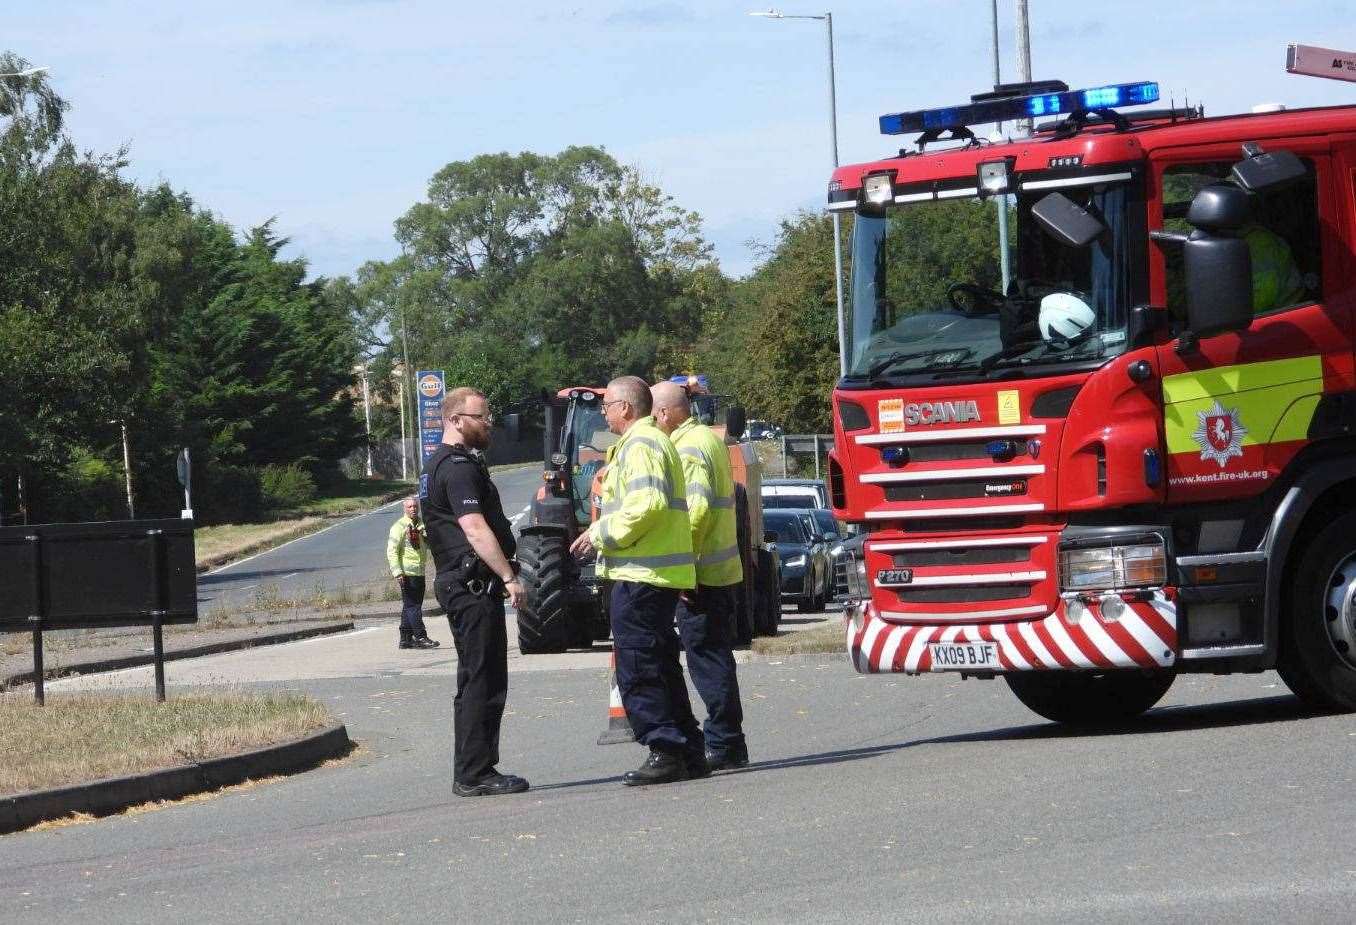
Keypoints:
(1142, 635)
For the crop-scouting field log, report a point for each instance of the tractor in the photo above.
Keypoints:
(566, 604)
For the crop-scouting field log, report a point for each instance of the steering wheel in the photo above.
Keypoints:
(980, 299)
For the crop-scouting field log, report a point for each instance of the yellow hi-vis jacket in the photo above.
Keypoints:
(401, 556)
(710, 503)
(642, 533)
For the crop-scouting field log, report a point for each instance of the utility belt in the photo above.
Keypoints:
(478, 578)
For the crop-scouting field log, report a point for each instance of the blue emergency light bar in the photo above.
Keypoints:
(1019, 107)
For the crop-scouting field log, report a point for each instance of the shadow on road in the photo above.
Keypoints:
(262, 573)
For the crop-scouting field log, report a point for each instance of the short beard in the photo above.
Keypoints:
(477, 441)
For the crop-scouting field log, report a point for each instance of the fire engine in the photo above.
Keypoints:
(1116, 442)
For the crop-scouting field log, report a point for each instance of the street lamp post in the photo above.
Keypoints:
(361, 370)
(827, 19)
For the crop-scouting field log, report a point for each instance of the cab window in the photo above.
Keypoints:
(1282, 236)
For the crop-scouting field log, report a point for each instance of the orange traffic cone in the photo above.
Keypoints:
(618, 727)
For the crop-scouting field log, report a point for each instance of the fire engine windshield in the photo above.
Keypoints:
(925, 287)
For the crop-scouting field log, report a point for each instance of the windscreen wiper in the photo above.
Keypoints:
(1016, 350)
(962, 353)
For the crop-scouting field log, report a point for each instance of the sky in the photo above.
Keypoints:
(332, 115)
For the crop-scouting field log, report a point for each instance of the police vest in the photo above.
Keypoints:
(642, 533)
(710, 503)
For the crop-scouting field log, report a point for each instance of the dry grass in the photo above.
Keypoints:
(827, 637)
(224, 542)
(86, 737)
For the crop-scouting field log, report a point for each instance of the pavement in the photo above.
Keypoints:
(869, 798)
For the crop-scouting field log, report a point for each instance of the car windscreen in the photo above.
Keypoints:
(798, 502)
(785, 526)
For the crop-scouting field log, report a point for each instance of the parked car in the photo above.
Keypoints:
(799, 493)
(762, 430)
(806, 576)
(836, 535)
(849, 578)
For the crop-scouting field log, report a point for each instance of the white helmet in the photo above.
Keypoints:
(1064, 317)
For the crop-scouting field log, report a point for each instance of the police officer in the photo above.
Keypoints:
(472, 545)
(706, 616)
(644, 546)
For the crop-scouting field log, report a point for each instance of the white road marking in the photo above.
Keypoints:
(520, 515)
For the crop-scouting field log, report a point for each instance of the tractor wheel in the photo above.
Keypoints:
(1088, 698)
(1318, 634)
(547, 572)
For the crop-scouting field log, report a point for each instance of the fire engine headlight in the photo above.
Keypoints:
(878, 190)
(1110, 568)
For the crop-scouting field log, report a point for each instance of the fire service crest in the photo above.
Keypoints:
(1219, 432)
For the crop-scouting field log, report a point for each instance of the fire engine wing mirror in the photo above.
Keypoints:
(1218, 283)
(735, 422)
(1066, 221)
(1264, 172)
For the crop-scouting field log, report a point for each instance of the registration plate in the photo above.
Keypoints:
(894, 577)
(963, 656)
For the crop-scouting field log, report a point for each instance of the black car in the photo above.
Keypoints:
(806, 575)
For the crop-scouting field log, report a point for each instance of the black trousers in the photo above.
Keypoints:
(482, 677)
(649, 674)
(705, 625)
(412, 606)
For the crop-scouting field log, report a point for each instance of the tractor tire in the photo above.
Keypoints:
(1318, 630)
(1087, 698)
(547, 572)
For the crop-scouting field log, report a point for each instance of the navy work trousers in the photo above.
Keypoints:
(412, 607)
(478, 631)
(649, 674)
(705, 625)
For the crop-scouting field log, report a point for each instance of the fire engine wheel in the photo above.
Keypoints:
(546, 572)
(1318, 635)
(1089, 698)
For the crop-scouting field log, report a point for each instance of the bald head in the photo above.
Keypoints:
(671, 406)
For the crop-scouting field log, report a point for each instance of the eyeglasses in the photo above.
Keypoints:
(615, 401)
(486, 418)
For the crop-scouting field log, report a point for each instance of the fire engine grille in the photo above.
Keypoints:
(952, 525)
(975, 594)
(944, 452)
(997, 487)
(975, 555)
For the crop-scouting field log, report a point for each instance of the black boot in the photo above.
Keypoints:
(728, 759)
(423, 642)
(406, 639)
(659, 768)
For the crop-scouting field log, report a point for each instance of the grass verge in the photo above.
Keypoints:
(827, 637)
(82, 738)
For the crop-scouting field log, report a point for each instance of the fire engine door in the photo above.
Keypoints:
(1237, 407)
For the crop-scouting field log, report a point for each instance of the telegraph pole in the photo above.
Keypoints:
(1004, 258)
(1023, 56)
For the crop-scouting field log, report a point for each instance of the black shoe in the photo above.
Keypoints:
(406, 642)
(697, 766)
(493, 786)
(423, 642)
(659, 768)
(725, 761)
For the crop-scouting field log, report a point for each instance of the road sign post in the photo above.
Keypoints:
(185, 469)
(432, 387)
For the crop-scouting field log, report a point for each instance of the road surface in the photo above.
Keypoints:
(346, 555)
(870, 798)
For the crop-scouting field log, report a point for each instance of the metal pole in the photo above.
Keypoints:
(404, 473)
(159, 640)
(367, 419)
(39, 694)
(783, 456)
(1023, 56)
(837, 219)
(1004, 257)
(816, 457)
(406, 374)
(127, 471)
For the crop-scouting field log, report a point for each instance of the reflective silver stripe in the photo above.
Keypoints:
(726, 503)
(678, 504)
(640, 482)
(678, 558)
(610, 507)
(638, 440)
(720, 555)
(603, 535)
(692, 451)
(702, 491)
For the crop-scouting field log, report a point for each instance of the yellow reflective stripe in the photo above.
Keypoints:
(1212, 383)
(720, 555)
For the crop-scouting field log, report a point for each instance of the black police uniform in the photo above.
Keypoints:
(456, 482)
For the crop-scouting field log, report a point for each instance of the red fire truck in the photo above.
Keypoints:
(1120, 443)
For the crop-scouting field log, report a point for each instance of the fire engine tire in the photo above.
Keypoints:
(1080, 698)
(546, 570)
(1318, 632)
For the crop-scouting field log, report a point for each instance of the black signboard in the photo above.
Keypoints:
(120, 573)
